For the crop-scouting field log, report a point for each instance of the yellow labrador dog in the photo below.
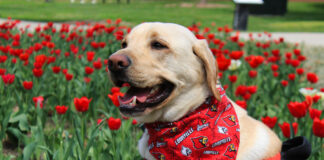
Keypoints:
(171, 74)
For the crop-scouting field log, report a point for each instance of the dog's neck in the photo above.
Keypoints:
(187, 103)
(194, 99)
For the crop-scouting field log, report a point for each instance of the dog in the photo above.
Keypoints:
(173, 80)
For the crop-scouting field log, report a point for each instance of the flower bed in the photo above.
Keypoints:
(58, 103)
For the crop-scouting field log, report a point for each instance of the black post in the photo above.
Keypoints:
(241, 17)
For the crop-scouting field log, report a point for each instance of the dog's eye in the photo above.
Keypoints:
(124, 45)
(158, 45)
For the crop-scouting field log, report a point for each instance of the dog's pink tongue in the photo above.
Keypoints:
(140, 93)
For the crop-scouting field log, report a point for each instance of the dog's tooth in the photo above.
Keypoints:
(133, 103)
(154, 89)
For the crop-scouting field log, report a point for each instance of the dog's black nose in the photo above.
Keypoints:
(118, 62)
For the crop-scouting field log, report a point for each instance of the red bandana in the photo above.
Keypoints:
(210, 132)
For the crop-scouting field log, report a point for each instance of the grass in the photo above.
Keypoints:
(301, 17)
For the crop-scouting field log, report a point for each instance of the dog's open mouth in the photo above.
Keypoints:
(136, 100)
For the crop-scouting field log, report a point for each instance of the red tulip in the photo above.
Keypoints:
(276, 52)
(82, 104)
(241, 90)
(318, 127)
(2, 71)
(241, 44)
(236, 54)
(38, 101)
(253, 73)
(288, 55)
(38, 72)
(308, 101)
(28, 85)
(291, 76)
(114, 90)
(99, 121)
(247, 96)
(312, 77)
(134, 122)
(68, 76)
(14, 60)
(114, 124)
(8, 78)
(297, 52)
(314, 113)
(40, 59)
(285, 128)
(87, 79)
(252, 89)
(241, 103)
(284, 83)
(88, 70)
(270, 122)
(274, 67)
(223, 63)
(255, 61)
(316, 98)
(24, 56)
(294, 62)
(64, 71)
(297, 109)
(97, 64)
(118, 20)
(61, 109)
(115, 93)
(90, 56)
(232, 78)
(56, 69)
(301, 58)
(300, 71)
(3, 59)
(275, 74)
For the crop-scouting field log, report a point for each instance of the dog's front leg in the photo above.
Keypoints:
(143, 147)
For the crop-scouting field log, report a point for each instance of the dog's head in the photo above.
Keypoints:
(168, 69)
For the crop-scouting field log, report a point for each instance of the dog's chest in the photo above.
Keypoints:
(210, 132)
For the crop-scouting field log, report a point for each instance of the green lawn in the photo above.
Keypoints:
(302, 17)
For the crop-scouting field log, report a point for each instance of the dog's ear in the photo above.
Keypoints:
(201, 49)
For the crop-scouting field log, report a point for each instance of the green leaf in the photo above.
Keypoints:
(46, 149)
(18, 118)
(78, 132)
(91, 141)
(16, 132)
(28, 150)
(69, 150)
(4, 125)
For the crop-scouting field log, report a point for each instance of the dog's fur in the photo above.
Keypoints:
(187, 63)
